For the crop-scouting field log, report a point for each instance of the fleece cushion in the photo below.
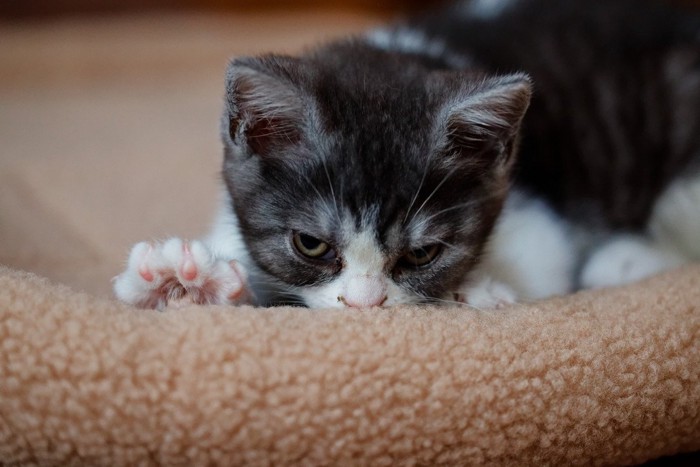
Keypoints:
(607, 377)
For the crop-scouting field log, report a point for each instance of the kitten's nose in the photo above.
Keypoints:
(365, 291)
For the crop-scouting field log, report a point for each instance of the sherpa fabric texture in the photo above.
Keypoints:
(607, 377)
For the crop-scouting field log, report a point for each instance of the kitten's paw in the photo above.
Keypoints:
(626, 259)
(488, 293)
(178, 272)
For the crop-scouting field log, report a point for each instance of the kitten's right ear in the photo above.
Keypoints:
(264, 108)
(483, 120)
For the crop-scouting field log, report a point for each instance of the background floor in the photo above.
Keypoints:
(109, 130)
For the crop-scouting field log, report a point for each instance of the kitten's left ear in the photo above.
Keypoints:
(264, 108)
(482, 122)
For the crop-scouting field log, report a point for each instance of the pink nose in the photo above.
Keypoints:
(365, 291)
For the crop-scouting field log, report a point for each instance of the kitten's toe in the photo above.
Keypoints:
(138, 284)
(138, 259)
(489, 294)
(626, 259)
(191, 262)
(234, 281)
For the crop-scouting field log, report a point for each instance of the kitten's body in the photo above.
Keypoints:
(407, 141)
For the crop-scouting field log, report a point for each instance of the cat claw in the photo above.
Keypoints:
(178, 273)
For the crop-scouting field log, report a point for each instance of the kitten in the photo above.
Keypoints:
(404, 166)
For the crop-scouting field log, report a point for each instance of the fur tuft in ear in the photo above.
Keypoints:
(264, 107)
(486, 119)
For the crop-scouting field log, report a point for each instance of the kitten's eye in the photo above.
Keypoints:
(420, 256)
(312, 247)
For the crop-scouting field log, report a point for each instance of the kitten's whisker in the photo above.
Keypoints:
(277, 288)
(442, 242)
(278, 294)
(442, 182)
(461, 206)
(330, 185)
(442, 301)
(273, 287)
(415, 197)
(451, 208)
(321, 199)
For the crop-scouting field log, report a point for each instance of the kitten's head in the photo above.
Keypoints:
(362, 179)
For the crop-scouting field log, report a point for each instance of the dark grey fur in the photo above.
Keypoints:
(613, 120)
(616, 110)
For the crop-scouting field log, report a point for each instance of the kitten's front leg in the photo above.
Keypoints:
(531, 254)
(177, 272)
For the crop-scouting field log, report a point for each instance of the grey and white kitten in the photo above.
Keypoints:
(491, 152)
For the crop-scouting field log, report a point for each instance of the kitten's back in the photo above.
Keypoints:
(614, 117)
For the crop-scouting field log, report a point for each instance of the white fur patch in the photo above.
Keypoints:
(529, 251)
(487, 9)
(675, 221)
(363, 282)
(363, 256)
(413, 41)
(225, 240)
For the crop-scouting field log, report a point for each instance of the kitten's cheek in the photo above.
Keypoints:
(364, 291)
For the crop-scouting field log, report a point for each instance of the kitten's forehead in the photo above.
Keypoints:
(373, 93)
(363, 255)
(359, 226)
(357, 231)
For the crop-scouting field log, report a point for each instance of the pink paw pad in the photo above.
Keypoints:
(177, 272)
(188, 268)
(144, 270)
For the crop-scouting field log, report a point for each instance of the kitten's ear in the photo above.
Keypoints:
(484, 121)
(264, 106)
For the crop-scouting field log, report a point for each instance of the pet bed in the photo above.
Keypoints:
(605, 377)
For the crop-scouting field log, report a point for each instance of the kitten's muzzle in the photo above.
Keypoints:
(364, 291)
